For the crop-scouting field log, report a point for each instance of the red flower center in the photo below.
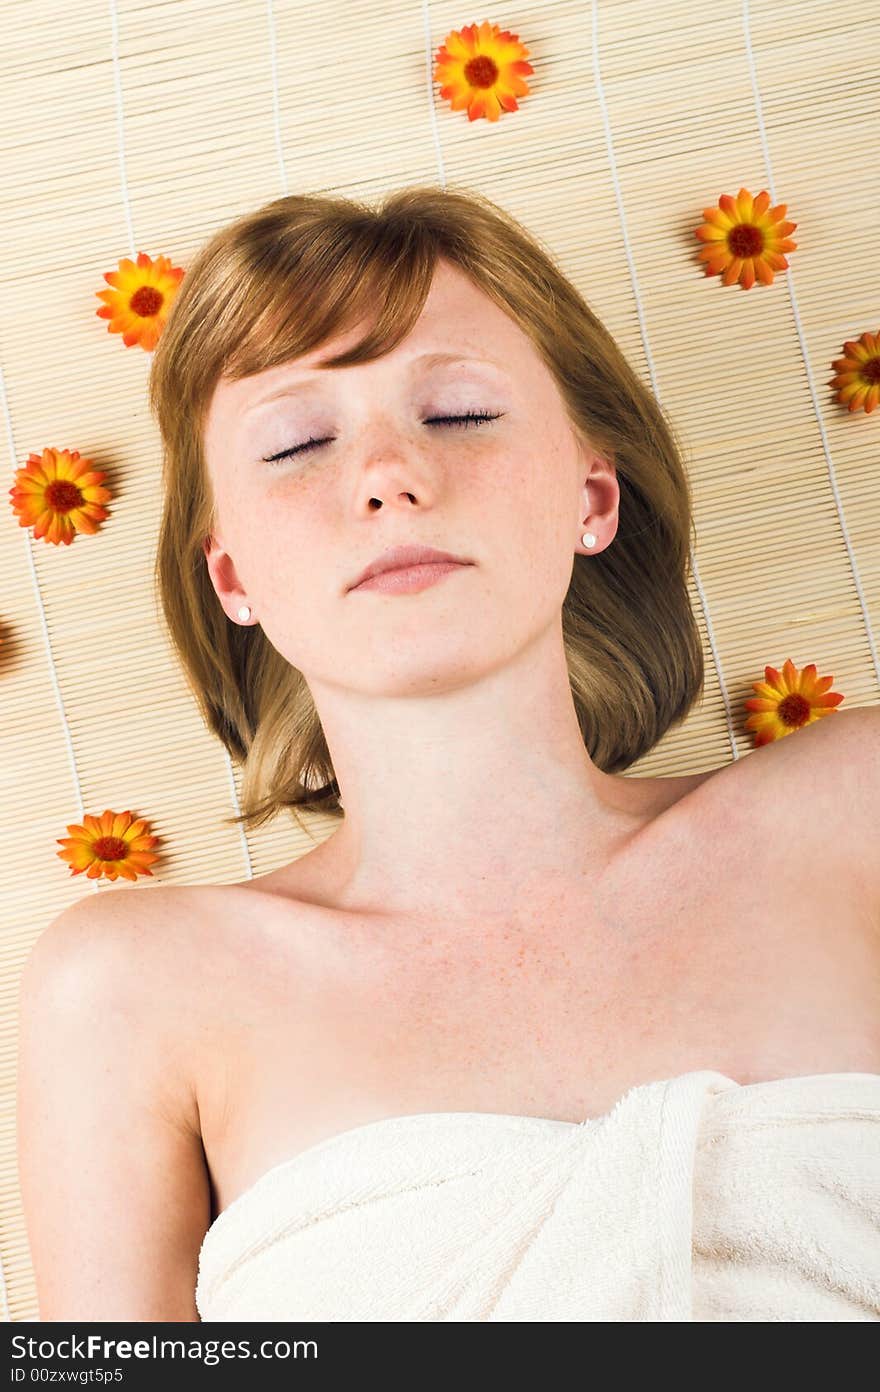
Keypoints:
(745, 240)
(63, 496)
(111, 848)
(146, 301)
(793, 709)
(871, 370)
(481, 71)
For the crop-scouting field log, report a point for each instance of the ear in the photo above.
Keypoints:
(223, 576)
(600, 498)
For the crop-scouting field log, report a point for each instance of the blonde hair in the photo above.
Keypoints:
(276, 284)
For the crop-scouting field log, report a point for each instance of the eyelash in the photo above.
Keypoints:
(477, 416)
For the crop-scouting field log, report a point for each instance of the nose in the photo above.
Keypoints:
(404, 499)
(395, 475)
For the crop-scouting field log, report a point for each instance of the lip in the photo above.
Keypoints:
(409, 579)
(407, 557)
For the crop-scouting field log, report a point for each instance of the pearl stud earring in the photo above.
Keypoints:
(588, 539)
(244, 612)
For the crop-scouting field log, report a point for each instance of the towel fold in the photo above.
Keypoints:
(694, 1198)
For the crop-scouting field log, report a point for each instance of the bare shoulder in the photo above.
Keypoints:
(836, 762)
(83, 945)
(125, 953)
(122, 937)
(111, 1166)
(132, 955)
(844, 763)
(818, 792)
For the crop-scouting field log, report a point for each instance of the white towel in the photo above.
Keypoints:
(694, 1198)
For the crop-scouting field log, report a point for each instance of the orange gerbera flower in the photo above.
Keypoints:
(789, 701)
(59, 494)
(111, 845)
(138, 305)
(745, 239)
(482, 69)
(858, 374)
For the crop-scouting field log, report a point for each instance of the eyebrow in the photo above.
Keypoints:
(425, 359)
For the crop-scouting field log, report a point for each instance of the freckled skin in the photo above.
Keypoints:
(429, 699)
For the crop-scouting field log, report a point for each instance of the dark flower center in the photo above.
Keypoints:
(146, 301)
(63, 496)
(745, 240)
(111, 848)
(871, 370)
(793, 709)
(481, 71)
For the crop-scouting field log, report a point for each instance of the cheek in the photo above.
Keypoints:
(540, 521)
(272, 546)
(507, 483)
(530, 499)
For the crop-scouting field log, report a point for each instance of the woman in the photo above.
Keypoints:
(524, 1038)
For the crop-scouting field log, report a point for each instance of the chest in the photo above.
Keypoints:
(712, 948)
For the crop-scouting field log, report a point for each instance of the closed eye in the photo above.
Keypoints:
(478, 417)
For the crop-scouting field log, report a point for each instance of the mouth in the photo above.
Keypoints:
(405, 558)
(409, 579)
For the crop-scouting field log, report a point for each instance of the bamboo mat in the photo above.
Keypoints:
(129, 125)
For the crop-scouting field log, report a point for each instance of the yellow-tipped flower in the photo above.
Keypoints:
(59, 494)
(142, 295)
(857, 378)
(745, 239)
(482, 68)
(109, 846)
(789, 701)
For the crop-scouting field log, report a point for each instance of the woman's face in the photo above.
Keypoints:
(508, 494)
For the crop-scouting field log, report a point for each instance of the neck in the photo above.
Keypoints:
(459, 803)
